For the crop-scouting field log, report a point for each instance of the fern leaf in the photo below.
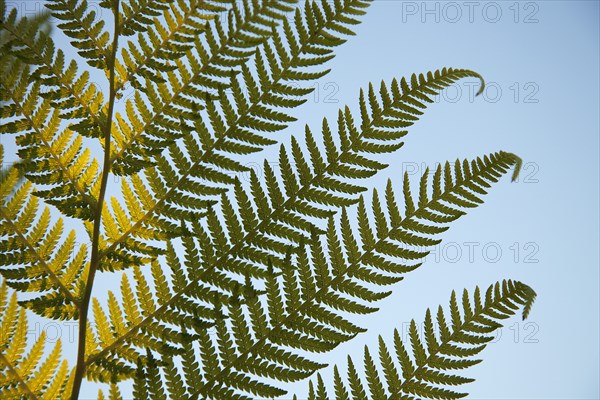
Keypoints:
(298, 302)
(430, 372)
(164, 201)
(78, 100)
(30, 376)
(36, 257)
(255, 112)
(85, 28)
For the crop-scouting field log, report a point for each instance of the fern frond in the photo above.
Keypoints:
(233, 254)
(449, 342)
(296, 307)
(85, 28)
(50, 157)
(35, 256)
(252, 113)
(30, 376)
(73, 95)
(312, 185)
(153, 53)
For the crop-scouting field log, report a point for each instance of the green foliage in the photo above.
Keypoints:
(35, 257)
(448, 342)
(24, 371)
(278, 266)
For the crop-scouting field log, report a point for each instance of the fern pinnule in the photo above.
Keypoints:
(425, 370)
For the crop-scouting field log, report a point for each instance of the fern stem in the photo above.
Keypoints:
(95, 257)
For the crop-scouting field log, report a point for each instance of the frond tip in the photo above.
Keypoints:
(438, 348)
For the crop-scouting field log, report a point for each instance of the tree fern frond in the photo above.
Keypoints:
(85, 28)
(35, 256)
(51, 158)
(30, 376)
(426, 369)
(337, 276)
(156, 52)
(251, 114)
(311, 185)
(73, 95)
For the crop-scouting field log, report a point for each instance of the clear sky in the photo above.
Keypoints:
(541, 62)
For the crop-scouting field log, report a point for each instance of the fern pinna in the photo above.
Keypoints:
(276, 267)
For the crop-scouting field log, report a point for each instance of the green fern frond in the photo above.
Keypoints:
(154, 53)
(73, 95)
(85, 28)
(234, 254)
(179, 198)
(50, 157)
(448, 343)
(36, 257)
(30, 376)
(248, 115)
(297, 303)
